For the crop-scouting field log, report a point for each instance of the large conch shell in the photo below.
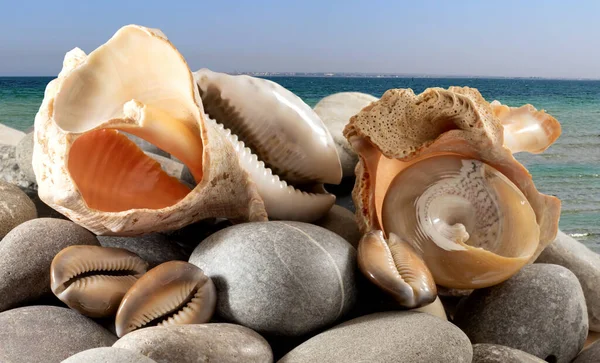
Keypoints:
(279, 140)
(440, 198)
(88, 170)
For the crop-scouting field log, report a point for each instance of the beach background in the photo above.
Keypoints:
(570, 169)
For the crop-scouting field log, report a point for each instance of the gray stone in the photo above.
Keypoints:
(584, 263)
(589, 355)
(9, 169)
(398, 336)
(335, 111)
(108, 355)
(223, 343)
(154, 248)
(15, 208)
(279, 278)
(27, 252)
(147, 146)
(24, 155)
(43, 209)
(541, 310)
(491, 353)
(343, 222)
(48, 334)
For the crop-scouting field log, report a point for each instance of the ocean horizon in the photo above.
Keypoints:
(569, 169)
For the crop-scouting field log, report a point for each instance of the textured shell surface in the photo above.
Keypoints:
(282, 130)
(87, 169)
(436, 174)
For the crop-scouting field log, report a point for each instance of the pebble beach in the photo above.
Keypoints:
(96, 267)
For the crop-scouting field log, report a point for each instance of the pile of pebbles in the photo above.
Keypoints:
(288, 292)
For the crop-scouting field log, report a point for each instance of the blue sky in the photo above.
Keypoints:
(508, 38)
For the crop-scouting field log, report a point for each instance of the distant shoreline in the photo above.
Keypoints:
(371, 75)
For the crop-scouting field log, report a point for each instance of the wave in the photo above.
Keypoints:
(575, 235)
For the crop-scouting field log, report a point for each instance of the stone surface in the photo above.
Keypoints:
(335, 111)
(10, 136)
(108, 355)
(491, 353)
(386, 337)
(24, 155)
(541, 310)
(584, 263)
(27, 252)
(47, 334)
(279, 278)
(9, 169)
(589, 355)
(43, 209)
(342, 222)
(15, 208)
(223, 343)
(154, 248)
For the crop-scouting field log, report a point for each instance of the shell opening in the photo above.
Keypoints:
(113, 174)
(458, 203)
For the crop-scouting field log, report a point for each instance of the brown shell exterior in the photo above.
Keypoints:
(225, 190)
(402, 127)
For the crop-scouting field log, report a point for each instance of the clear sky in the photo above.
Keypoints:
(493, 38)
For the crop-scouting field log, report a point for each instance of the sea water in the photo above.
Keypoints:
(570, 169)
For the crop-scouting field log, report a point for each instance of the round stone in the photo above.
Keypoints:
(335, 111)
(584, 263)
(530, 312)
(108, 355)
(48, 334)
(218, 342)
(342, 222)
(154, 248)
(27, 252)
(491, 353)
(24, 155)
(589, 355)
(398, 336)
(279, 278)
(15, 208)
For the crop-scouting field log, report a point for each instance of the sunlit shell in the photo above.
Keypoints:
(526, 128)
(88, 170)
(434, 172)
(282, 130)
(93, 279)
(281, 142)
(173, 293)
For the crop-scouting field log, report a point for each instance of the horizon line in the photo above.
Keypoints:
(365, 75)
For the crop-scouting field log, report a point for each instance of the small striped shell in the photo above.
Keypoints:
(174, 292)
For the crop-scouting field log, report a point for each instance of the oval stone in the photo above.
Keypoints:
(27, 252)
(108, 355)
(48, 334)
(491, 353)
(279, 278)
(15, 207)
(540, 310)
(399, 336)
(154, 248)
(584, 263)
(342, 222)
(219, 342)
(335, 111)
